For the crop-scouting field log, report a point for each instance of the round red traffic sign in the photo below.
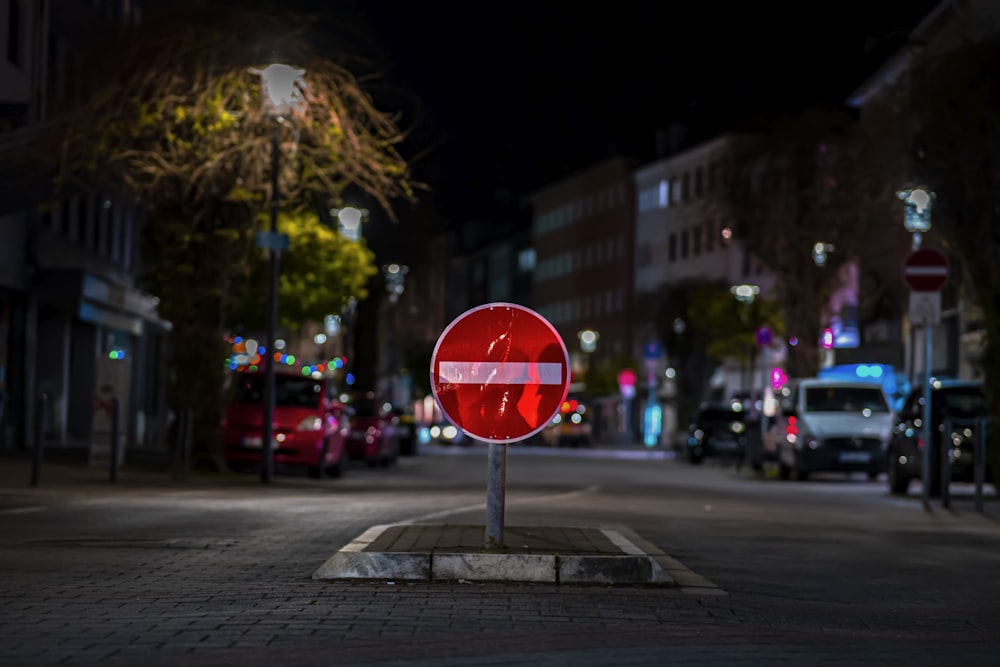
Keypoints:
(926, 270)
(500, 372)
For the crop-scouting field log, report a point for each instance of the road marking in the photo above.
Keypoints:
(22, 510)
(366, 538)
(685, 580)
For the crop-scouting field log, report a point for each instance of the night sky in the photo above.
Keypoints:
(521, 93)
(508, 96)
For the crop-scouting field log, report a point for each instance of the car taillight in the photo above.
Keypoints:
(792, 429)
(920, 443)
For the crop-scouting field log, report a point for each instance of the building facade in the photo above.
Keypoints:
(683, 237)
(582, 234)
(76, 336)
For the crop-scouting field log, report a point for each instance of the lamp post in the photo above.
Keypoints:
(281, 88)
(746, 294)
(917, 220)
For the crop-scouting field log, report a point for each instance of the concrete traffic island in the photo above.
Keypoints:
(531, 554)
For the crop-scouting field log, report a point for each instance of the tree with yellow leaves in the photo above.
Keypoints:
(177, 121)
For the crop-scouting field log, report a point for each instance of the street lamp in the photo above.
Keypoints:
(918, 201)
(349, 220)
(395, 280)
(282, 95)
(745, 293)
(588, 340)
(820, 251)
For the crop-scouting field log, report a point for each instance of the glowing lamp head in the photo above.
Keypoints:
(349, 220)
(282, 88)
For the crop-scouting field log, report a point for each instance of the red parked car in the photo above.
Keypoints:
(310, 426)
(374, 434)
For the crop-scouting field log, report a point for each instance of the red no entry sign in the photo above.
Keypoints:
(500, 372)
(926, 270)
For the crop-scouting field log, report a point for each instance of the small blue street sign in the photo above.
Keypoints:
(272, 240)
(764, 336)
(652, 351)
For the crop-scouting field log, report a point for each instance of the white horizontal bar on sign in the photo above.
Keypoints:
(510, 372)
(926, 270)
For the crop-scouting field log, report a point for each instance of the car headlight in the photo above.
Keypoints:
(310, 424)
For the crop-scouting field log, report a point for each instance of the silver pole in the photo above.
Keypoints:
(928, 445)
(496, 489)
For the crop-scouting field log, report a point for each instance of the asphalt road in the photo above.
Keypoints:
(217, 571)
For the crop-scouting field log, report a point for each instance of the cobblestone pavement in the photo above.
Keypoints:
(217, 572)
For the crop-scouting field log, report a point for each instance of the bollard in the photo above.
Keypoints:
(39, 454)
(945, 455)
(183, 446)
(113, 467)
(188, 427)
(979, 462)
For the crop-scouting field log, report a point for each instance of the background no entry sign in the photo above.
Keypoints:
(500, 372)
(926, 270)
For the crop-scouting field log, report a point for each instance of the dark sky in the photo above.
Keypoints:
(521, 93)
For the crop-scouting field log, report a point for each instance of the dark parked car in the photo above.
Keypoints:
(718, 431)
(309, 427)
(963, 402)
(374, 436)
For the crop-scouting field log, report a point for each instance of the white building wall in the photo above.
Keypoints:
(683, 226)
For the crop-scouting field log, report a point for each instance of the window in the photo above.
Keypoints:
(685, 239)
(696, 248)
(698, 182)
(845, 399)
(105, 229)
(675, 190)
(709, 236)
(672, 248)
(664, 194)
(526, 259)
(645, 255)
(686, 187)
(288, 391)
(647, 200)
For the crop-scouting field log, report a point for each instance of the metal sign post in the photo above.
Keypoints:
(486, 361)
(496, 490)
(925, 272)
(928, 431)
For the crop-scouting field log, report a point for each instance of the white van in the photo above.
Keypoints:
(833, 425)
